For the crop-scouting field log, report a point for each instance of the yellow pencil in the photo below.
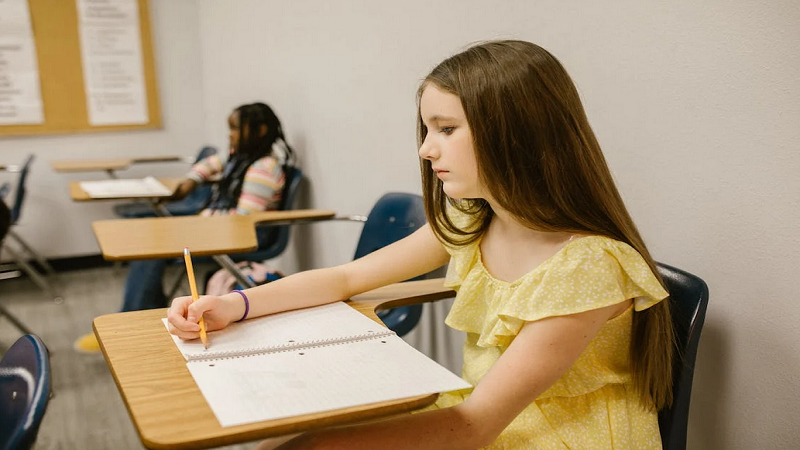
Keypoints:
(187, 257)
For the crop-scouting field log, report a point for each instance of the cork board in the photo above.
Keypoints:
(55, 31)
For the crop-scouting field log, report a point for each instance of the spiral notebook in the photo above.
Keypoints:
(305, 361)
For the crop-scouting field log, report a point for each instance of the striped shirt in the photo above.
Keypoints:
(262, 188)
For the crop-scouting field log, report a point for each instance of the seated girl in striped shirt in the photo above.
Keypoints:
(251, 180)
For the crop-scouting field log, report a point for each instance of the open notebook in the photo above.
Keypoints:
(310, 360)
(143, 187)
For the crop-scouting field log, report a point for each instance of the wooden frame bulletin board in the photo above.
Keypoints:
(55, 31)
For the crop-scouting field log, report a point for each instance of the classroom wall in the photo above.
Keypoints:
(54, 224)
(695, 104)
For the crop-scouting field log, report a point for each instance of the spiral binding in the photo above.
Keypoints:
(216, 356)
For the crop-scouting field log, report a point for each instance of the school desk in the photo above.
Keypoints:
(77, 193)
(168, 409)
(216, 236)
(110, 165)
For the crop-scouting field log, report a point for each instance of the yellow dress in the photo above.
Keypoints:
(593, 405)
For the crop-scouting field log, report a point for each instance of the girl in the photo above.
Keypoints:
(252, 180)
(569, 339)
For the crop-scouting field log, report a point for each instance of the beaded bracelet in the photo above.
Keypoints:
(246, 304)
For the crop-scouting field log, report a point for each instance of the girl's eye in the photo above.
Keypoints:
(447, 130)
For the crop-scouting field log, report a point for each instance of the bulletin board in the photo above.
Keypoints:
(56, 34)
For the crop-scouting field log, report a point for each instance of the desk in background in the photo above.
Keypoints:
(111, 165)
(77, 194)
(168, 409)
(216, 236)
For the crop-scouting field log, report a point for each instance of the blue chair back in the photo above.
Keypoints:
(19, 195)
(24, 392)
(394, 216)
(689, 300)
(273, 239)
(192, 204)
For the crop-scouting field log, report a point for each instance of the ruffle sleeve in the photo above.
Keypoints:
(589, 273)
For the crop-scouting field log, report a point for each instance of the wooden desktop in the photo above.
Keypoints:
(168, 409)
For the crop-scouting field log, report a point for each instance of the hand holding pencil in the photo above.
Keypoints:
(187, 257)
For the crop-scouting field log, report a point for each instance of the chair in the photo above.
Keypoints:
(689, 296)
(394, 216)
(190, 205)
(22, 255)
(272, 239)
(24, 392)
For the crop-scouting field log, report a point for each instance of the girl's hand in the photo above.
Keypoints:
(218, 312)
(183, 189)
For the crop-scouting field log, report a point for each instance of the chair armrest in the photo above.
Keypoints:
(402, 294)
(353, 218)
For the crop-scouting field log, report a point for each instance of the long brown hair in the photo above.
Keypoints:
(540, 160)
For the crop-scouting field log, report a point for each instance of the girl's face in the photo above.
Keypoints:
(234, 131)
(448, 144)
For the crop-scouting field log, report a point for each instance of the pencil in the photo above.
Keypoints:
(187, 257)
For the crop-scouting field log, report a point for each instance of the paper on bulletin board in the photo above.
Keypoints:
(113, 71)
(20, 94)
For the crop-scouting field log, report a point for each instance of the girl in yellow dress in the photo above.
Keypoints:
(569, 337)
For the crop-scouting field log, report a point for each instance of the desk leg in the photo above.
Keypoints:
(226, 262)
(159, 209)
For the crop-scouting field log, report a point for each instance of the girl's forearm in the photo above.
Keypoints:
(443, 429)
(301, 290)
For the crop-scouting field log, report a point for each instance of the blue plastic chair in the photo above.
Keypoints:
(19, 195)
(394, 216)
(192, 204)
(23, 251)
(273, 239)
(689, 300)
(24, 392)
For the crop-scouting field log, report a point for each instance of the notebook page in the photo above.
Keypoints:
(325, 378)
(145, 187)
(334, 321)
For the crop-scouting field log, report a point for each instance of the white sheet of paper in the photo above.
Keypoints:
(124, 188)
(310, 365)
(111, 52)
(287, 384)
(20, 93)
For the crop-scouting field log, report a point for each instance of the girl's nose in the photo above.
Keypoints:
(427, 151)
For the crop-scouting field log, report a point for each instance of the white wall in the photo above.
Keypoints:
(695, 103)
(57, 226)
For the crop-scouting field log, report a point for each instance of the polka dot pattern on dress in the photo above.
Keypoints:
(593, 405)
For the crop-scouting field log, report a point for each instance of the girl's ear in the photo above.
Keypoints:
(262, 130)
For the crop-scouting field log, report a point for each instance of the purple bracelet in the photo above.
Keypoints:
(246, 305)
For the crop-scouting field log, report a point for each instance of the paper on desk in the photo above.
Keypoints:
(326, 378)
(144, 187)
(306, 361)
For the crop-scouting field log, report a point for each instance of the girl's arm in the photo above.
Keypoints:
(540, 354)
(412, 256)
(200, 172)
